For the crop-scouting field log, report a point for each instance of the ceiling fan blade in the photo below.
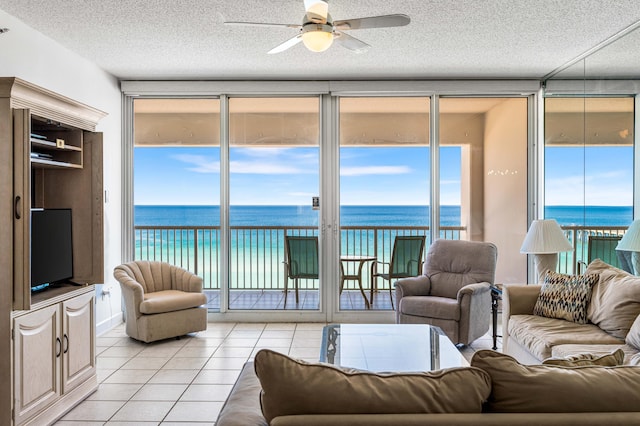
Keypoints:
(350, 42)
(317, 10)
(263, 24)
(286, 45)
(383, 21)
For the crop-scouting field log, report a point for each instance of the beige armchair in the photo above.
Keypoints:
(161, 300)
(454, 291)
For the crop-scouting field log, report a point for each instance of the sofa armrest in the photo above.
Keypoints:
(519, 299)
(242, 407)
(516, 300)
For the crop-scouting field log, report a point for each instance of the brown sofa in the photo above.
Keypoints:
(613, 320)
(495, 390)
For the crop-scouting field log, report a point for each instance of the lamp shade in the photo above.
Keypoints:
(545, 237)
(631, 239)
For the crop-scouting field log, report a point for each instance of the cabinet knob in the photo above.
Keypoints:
(66, 343)
(58, 347)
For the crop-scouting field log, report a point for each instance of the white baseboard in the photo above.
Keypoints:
(109, 323)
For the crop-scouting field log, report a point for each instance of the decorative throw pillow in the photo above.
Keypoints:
(565, 296)
(633, 337)
(518, 388)
(291, 387)
(577, 360)
(615, 303)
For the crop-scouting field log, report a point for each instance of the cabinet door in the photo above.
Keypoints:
(37, 350)
(78, 343)
(21, 209)
(81, 190)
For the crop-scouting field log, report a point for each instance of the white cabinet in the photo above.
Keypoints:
(54, 356)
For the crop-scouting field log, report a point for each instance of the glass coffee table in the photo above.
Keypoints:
(389, 347)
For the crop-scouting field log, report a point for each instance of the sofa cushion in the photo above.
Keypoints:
(615, 301)
(291, 387)
(563, 351)
(170, 300)
(539, 334)
(633, 336)
(565, 296)
(585, 358)
(519, 388)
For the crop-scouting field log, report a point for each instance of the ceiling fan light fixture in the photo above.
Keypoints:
(318, 40)
(317, 9)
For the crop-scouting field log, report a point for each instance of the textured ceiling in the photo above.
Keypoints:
(168, 39)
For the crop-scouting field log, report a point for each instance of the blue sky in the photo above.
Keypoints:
(596, 176)
(369, 176)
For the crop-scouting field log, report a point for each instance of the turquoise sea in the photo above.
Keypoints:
(257, 254)
(358, 215)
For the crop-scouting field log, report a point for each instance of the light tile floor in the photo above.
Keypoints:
(186, 381)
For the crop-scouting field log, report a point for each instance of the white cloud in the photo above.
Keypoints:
(611, 188)
(200, 163)
(262, 168)
(374, 170)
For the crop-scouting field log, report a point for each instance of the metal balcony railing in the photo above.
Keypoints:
(257, 252)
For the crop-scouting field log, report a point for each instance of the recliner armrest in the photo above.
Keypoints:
(414, 286)
(473, 289)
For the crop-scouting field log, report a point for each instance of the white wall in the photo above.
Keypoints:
(31, 56)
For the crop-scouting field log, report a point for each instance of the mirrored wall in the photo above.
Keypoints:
(590, 149)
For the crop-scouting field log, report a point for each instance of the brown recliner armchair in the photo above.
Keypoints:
(454, 291)
(161, 300)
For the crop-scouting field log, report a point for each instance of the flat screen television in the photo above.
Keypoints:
(51, 247)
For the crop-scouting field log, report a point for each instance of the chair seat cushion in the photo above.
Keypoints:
(431, 307)
(171, 300)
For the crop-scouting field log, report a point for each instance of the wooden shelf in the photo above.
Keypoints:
(59, 145)
(48, 145)
(43, 162)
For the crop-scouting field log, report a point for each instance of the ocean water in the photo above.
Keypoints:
(256, 255)
(359, 215)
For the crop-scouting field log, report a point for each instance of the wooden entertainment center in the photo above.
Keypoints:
(51, 159)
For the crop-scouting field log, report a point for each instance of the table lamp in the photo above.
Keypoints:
(545, 240)
(631, 242)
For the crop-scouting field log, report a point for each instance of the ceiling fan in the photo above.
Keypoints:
(319, 30)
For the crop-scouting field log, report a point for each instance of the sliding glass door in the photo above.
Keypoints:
(384, 196)
(176, 186)
(274, 176)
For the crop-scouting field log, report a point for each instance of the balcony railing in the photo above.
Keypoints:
(257, 252)
(569, 262)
